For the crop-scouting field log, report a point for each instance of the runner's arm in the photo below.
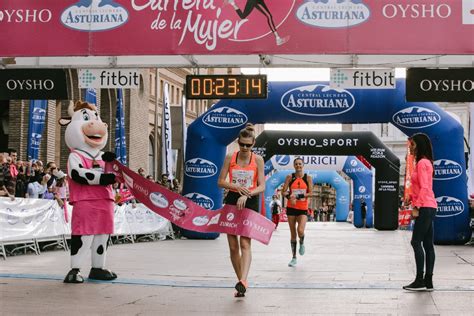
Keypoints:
(260, 177)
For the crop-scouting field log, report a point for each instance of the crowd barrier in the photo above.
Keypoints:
(26, 222)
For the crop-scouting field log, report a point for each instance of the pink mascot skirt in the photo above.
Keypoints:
(93, 217)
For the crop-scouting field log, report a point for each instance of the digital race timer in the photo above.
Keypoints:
(226, 87)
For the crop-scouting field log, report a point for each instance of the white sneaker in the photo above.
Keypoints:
(282, 40)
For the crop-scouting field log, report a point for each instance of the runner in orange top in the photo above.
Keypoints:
(297, 188)
(246, 182)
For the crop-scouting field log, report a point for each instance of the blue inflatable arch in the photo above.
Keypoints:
(356, 170)
(331, 177)
(315, 102)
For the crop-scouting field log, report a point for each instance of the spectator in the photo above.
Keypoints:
(275, 206)
(363, 211)
(141, 172)
(176, 186)
(51, 169)
(165, 181)
(150, 177)
(61, 192)
(22, 178)
(10, 172)
(3, 168)
(37, 186)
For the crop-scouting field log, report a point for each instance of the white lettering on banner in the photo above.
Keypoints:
(416, 117)
(415, 11)
(377, 153)
(449, 206)
(25, 16)
(447, 85)
(30, 84)
(325, 142)
(94, 16)
(255, 226)
(387, 186)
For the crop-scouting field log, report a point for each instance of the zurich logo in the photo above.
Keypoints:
(449, 206)
(94, 15)
(224, 117)
(333, 13)
(199, 168)
(416, 117)
(282, 160)
(201, 200)
(353, 162)
(445, 169)
(362, 189)
(317, 100)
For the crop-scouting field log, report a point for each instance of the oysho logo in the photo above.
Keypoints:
(317, 100)
(25, 16)
(199, 168)
(224, 117)
(445, 169)
(333, 13)
(30, 84)
(449, 206)
(416, 117)
(201, 200)
(94, 15)
(416, 11)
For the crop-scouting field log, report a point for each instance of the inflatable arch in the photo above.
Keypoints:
(331, 177)
(387, 165)
(356, 170)
(316, 102)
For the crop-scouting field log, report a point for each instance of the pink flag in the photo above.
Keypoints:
(187, 214)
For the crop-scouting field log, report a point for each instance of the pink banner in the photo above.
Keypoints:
(174, 27)
(188, 215)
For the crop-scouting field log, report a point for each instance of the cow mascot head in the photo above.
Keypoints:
(90, 191)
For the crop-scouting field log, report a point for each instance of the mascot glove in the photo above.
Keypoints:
(107, 178)
(108, 156)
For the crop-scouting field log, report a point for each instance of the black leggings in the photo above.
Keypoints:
(260, 6)
(422, 239)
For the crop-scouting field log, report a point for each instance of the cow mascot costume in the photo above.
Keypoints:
(90, 191)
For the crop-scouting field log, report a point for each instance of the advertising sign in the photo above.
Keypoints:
(353, 78)
(109, 78)
(33, 84)
(440, 85)
(122, 27)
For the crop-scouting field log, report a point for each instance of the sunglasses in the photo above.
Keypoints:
(245, 145)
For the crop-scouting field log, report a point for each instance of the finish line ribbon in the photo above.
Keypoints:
(189, 215)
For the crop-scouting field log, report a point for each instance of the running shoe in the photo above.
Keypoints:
(417, 285)
(292, 262)
(301, 250)
(241, 287)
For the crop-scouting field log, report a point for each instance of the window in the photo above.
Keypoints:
(384, 132)
(151, 157)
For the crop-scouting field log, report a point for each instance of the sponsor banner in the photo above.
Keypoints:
(317, 100)
(352, 78)
(120, 137)
(109, 78)
(445, 169)
(23, 219)
(440, 85)
(449, 206)
(36, 124)
(224, 117)
(33, 84)
(138, 220)
(104, 27)
(284, 162)
(200, 168)
(471, 155)
(416, 117)
(190, 213)
(166, 136)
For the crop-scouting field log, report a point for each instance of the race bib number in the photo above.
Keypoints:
(243, 178)
(299, 191)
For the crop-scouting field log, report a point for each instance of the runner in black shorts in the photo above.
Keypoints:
(297, 188)
(246, 182)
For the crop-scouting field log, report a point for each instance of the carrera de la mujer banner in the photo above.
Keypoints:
(189, 215)
(174, 27)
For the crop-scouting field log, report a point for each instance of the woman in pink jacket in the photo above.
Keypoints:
(424, 211)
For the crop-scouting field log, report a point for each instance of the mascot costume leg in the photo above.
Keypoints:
(90, 191)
